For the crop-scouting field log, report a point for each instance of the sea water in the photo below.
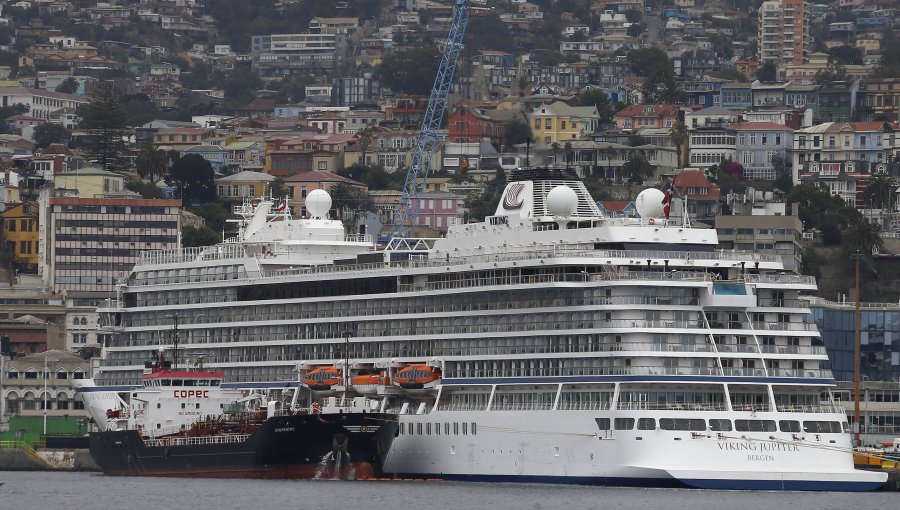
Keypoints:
(94, 491)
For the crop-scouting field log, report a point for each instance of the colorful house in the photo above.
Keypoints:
(20, 233)
(559, 122)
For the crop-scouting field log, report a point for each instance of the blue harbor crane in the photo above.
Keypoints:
(407, 212)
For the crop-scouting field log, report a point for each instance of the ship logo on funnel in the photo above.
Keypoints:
(512, 199)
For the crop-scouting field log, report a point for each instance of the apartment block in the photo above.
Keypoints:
(784, 32)
(287, 54)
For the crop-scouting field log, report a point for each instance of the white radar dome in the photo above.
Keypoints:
(318, 203)
(649, 203)
(562, 201)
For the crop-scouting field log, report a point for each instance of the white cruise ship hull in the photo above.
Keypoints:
(567, 447)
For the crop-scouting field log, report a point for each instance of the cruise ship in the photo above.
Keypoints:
(548, 343)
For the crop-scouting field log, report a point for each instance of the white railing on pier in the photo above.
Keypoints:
(185, 440)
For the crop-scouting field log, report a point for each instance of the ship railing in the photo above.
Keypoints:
(751, 407)
(198, 440)
(784, 326)
(192, 254)
(521, 406)
(806, 408)
(672, 406)
(565, 405)
(576, 371)
(461, 407)
(794, 279)
(782, 303)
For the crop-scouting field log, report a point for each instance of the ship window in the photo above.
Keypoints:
(427, 429)
(465, 428)
(177, 382)
(203, 382)
(190, 382)
(720, 425)
(198, 406)
(183, 405)
(446, 429)
(603, 423)
(214, 382)
(682, 424)
(456, 429)
(624, 423)
(158, 405)
(473, 429)
(646, 424)
(822, 427)
(166, 382)
(754, 425)
(789, 425)
(419, 429)
(437, 429)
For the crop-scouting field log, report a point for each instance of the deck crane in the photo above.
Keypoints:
(407, 212)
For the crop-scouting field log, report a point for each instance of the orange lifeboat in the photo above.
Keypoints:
(416, 377)
(323, 378)
(369, 383)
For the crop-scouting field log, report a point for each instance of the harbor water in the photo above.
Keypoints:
(57, 490)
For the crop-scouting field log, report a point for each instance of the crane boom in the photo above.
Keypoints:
(407, 212)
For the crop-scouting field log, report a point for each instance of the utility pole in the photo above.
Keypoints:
(856, 257)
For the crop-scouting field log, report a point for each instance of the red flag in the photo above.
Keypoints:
(667, 202)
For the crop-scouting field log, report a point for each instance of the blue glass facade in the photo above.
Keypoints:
(879, 340)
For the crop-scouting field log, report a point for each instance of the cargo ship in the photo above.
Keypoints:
(183, 423)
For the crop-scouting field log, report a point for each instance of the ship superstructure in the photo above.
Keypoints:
(547, 343)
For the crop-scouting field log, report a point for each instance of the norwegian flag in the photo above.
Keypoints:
(668, 195)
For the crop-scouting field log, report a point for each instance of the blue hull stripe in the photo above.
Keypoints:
(790, 485)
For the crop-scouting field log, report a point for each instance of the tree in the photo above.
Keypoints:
(863, 235)
(647, 61)
(214, 214)
(731, 74)
(194, 176)
(277, 188)
(372, 176)
(638, 167)
(152, 163)
(364, 138)
(485, 203)
(879, 193)
(834, 72)
(139, 109)
(105, 120)
(516, 132)
(409, 70)
(597, 97)
(766, 72)
(145, 189)
(679, 139)
(845, 55)
(819, 208)
(783, 179)
(68, 86)
(638, 140)
(46, 133)
(349, 200)
(202, 236)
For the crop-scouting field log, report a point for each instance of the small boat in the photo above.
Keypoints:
(417, 377)
(323, 378)
(368, 384)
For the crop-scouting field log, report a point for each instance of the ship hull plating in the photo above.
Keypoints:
(346, 446)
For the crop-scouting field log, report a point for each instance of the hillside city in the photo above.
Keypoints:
(128, 126)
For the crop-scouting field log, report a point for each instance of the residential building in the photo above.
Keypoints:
(736, 97)
(701, 195)
(713, 116)
(89, 182)
(437, 210)
(21, 234)
(279, 55)
(705, 92)
(710, 146)
(468, 125)
(558, 122)
(784, 32)
(41, 103)
(758, 145)
(216, 155)
(243, 185)
(837, 101)
(778, 234)
(180, 138)
(878, 99)
(40, 384)
(647, 116)
(245, 154)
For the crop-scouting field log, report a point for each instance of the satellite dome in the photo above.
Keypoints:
(318, 203)
(649, 203)
(562, 201)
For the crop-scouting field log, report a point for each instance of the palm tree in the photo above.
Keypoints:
(554, 148)
(679, 139)
(880, 190)
(669, 91)
(568, 148)
(864, 236)
(610, 154)
(151, 162)
(364, 137)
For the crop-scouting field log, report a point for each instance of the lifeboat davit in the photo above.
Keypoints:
(368, 384)
(323, 378)
(417, 377)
